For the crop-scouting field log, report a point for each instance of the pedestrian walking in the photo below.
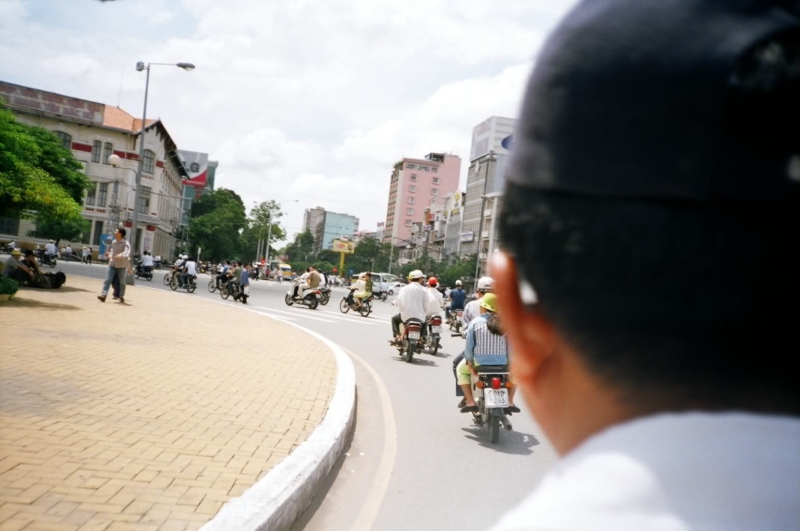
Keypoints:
(89, 256)
(244, 284)
(118, 262)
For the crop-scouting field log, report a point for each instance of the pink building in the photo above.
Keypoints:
(415, 185)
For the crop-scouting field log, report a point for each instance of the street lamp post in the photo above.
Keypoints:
(139, 67)
(269, 234)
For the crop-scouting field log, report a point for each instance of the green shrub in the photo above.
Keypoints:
(8, 286)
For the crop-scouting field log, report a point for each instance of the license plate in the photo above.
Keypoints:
(437, 329)
(413, 335)
(317, 295)
(496, 397)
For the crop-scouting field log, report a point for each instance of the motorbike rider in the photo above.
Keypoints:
(412, 302)
(486, 345)
(434, 305)
(190, 270)
(360, 290)
(457, 298)
(473, 310)
(50, 250)
(309, 280)
(223, 273)
(147, 262)
(29, 260)
(178, 265)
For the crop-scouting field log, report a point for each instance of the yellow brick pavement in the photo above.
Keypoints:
(149, 415)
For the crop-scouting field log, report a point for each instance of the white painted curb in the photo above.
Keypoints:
(278, 499)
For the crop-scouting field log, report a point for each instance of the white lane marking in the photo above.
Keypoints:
(277, 317)
(296, 315)
(371, 505)
(327, 316)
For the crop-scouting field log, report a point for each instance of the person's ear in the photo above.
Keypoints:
(532, 339)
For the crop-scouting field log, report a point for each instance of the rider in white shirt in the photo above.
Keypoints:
(412, 301)
(50, 248)
(191, 270)
(435, 299)
(147, 260)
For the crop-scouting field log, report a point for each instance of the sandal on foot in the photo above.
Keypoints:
(512, 409)
(462, 403)
(469, 409)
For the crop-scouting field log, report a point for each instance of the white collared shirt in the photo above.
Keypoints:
(412, 301)
(673, 472)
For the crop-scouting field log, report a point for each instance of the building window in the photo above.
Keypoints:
(434, 169)
(411, 200)
(144, 199)
(102, 194)
(9, 226)
(412, 188)
(410, 211)
(435, 180)
(413, 176)
(107, 151)
(425, 168)
(149, 162)
(96, 147)
(408, 223)
(434, 191)
(66, 140)
(98, 231)
(90, 194)
(411, 166)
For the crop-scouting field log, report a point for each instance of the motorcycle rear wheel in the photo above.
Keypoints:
(410, 347)
(435, 347)
(191, 286)
(365, 309)
(343, 306)
(225, 292)
(136, 274)
(313, 303)
(325, 299)
(494, 428)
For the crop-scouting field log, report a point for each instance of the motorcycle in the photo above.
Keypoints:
(326, 295)
(364, 309)
(46, 259)
(491, 388)
(433, 339)
(191, 283)
(143, 272)
(381, 295)
(309, 297)
(454, 321)
(411, 342)
(253, 274)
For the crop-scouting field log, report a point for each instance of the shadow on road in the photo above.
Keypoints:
(417, 361)
(510, 442)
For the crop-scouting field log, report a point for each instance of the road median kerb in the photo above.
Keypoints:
(278, 499)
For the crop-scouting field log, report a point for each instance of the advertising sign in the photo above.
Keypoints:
(467, 236)
(196, 165)
(340, 246)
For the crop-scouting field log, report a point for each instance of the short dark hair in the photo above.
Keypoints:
(695, 299)
(122, 231)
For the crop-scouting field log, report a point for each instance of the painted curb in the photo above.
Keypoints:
(278, 499)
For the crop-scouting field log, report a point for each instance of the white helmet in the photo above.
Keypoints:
(416, 275)
(458, 282)
(185, 256)
(486, 284)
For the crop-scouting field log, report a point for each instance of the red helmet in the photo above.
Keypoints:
(432, 282)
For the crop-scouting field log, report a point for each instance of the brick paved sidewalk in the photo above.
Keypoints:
(148, 415)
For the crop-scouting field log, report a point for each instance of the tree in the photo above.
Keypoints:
(60, 229)
(217, 223)
(302, 248)
(38, 177)
(260, 217)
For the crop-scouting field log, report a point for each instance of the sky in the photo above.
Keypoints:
(307, 100)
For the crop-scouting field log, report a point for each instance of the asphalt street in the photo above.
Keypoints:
(414, 461)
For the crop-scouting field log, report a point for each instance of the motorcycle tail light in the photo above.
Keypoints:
(436, 322)
(495, 383)
(480, 384)
(509, 385)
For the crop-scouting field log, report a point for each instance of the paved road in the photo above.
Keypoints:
(413, 455)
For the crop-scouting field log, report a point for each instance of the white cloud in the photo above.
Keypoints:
(295, 98)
